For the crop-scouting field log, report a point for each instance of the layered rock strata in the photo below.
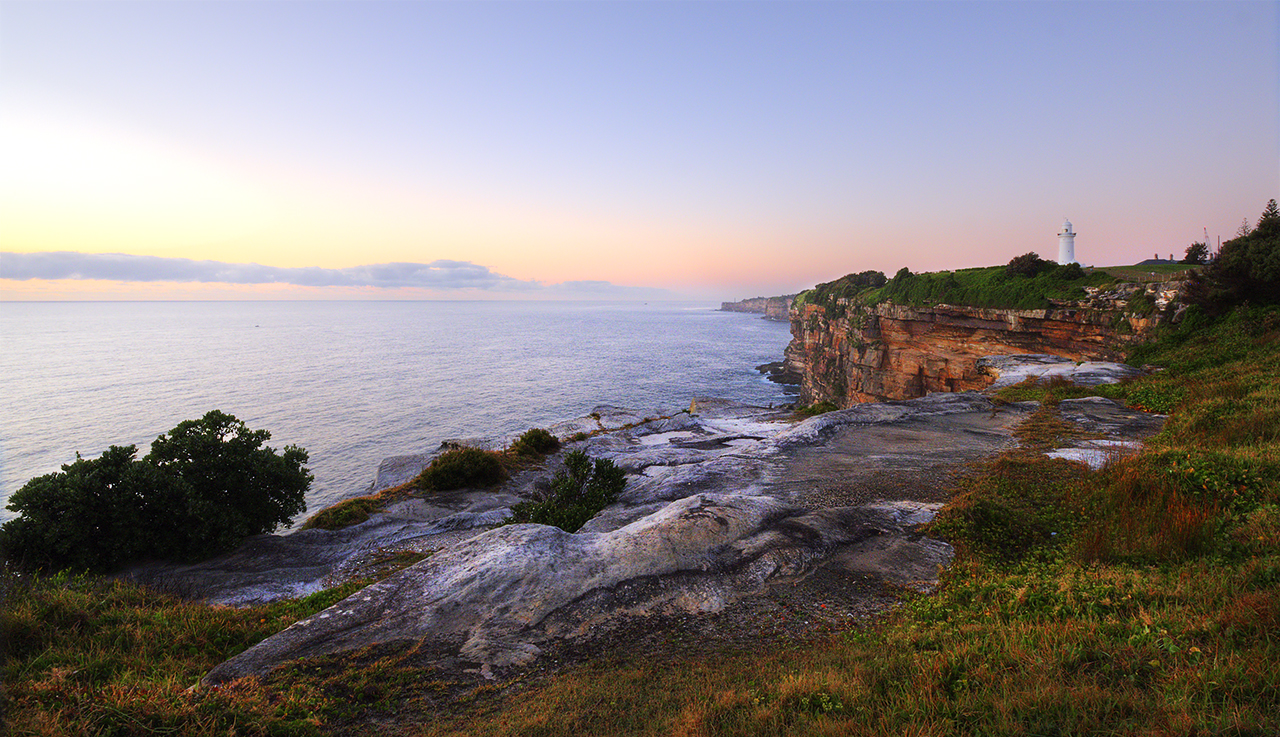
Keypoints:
(847, 353)
(773, 308)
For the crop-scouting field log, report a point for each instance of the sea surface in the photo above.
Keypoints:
(353, 382)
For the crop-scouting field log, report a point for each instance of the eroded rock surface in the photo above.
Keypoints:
(1010, 370)
(726, 506)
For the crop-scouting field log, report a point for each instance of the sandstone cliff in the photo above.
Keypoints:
(847, 353)
(773, 308)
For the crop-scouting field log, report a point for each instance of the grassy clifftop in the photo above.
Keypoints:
(993, 287)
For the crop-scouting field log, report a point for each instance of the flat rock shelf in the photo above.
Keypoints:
(738, 525)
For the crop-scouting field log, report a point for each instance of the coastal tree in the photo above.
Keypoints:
(233, 486)
(205, 486)
(1197, 253)
(1028, 264)
(1247, 269)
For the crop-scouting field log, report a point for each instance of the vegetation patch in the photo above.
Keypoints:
(343, 514)
(817, 408)
(89, 655)
(205, 486)
(462, 468)
(1025, 287)
(576, 494)
(535, 442)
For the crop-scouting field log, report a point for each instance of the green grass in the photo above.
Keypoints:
(815, 409)
(95, 656)
(989, 287)
(1145, 272)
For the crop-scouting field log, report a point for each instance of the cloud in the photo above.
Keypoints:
(440, 275)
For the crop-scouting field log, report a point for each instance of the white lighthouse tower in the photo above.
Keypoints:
(1067, 244)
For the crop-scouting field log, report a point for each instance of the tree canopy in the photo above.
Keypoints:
(206, 485)
(1247, 268)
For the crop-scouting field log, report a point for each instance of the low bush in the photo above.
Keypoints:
(535, 442)
(461, 468)
(1026, 287)
(343, 514)
(576, 495)
(1028, 264)
(817, 408)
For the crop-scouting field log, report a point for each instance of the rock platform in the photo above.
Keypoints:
(728, 508)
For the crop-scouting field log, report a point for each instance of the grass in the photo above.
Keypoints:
(90, 656)
(1141, 599)
(1145, 272)
(815, 409)
(989, 287)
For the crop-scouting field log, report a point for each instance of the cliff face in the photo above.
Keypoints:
(773, 308)
(847, 353)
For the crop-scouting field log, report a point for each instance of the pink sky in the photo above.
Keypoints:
(692, 150)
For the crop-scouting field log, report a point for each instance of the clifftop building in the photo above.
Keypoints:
(1066, 244)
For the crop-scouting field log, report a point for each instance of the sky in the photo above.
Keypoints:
(682, 150)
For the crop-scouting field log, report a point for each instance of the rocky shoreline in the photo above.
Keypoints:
(729, 510)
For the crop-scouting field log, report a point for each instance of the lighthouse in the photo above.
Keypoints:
(1067, 244)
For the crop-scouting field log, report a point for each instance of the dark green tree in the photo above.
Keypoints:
(1197, 253)
(234, 486)
(87, 517)
(1247, 269)
(1270, 219)
(1028, 264)
(203, 488)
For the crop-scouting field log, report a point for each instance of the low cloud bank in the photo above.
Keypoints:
(440, 275)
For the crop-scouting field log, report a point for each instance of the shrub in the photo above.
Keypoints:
(535, 441)
(817, 408)
(1012, 505)
(577, 493)
(1069, 272)
(205, 486)
(233, 486)
(461, 468)
(343, 514)
(1028, 264)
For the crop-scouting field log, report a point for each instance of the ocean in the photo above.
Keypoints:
(353, 382)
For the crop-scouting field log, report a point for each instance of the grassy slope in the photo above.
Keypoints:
(979, 287)
(1142, 599)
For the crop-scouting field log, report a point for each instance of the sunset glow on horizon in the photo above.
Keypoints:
(626, 150)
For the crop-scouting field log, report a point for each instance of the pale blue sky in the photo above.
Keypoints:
(713, 149)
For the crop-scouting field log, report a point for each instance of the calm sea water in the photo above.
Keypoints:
(352, 382)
